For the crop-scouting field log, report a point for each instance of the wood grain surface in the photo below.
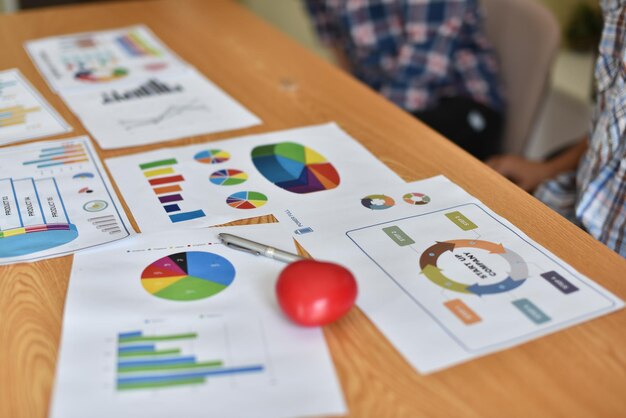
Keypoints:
(579, 372)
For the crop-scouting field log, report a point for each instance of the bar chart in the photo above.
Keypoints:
(167, 185)
(151, 88)
(61, 155)
(15, 115)
(151, 361)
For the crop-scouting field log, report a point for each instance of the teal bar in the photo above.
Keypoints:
(531, 311)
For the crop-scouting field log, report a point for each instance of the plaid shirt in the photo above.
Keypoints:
(414, 52)
(595, 195)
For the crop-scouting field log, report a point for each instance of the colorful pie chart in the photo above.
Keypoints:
(186, 276)
(295, 168)
(416, 198)
(228, 177)
(212, 156)
(377, 202)
(246, 200)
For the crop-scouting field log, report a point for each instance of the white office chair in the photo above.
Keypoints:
(526, 37)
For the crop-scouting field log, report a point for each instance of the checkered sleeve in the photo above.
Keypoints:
(424, 58)
(323, 22)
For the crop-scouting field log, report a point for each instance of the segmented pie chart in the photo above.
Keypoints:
(295, 168)
(228, 177)
(212, 156)
(416, 198)
(246, 200)
(377, 202)
(186, 276)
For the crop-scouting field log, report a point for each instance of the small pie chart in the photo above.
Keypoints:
(228, 177)
(377, 202)
(212, 156)
(187, 276)
(246, 200)
(416, 198)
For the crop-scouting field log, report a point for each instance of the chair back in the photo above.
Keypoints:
(526, 37)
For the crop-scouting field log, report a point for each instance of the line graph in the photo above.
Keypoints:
(166, 115)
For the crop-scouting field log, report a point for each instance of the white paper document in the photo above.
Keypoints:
(56, 199)
(444, 277)
(153, 109)
(24, 113)
(181, 325)
(221, 181)
(90, 59)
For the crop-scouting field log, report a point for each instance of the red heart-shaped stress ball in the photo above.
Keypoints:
(314, 292)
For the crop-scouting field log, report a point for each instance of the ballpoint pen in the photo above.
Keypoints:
(243, 244)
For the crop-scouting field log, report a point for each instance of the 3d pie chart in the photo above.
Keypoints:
(295, 168)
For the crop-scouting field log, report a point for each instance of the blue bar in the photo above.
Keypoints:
(165, 361)
(49, 165)
(129, 334)
(51, 149)
(171, 208)
(173, 376)
(52, 154)
(187, 216)
(147, 347)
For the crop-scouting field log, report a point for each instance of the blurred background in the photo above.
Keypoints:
(563, 114)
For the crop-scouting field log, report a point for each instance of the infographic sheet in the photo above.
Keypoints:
(181, 325)
(153, 109)
(445, 278)
(221, 181)
(90, 59)
(56, 199)
(24, 113)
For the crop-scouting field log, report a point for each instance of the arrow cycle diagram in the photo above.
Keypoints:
(517, 275)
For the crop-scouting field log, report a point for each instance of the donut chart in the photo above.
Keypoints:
(416, 198)
(517, 275)
(228, 177)
(188, 276)
(212, 156)
(246, 200)
(377, 202)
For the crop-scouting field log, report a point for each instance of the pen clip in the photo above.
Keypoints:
(240, 248)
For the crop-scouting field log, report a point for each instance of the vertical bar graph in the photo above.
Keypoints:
(167, 186)
(151, 361)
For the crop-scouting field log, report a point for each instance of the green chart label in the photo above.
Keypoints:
(461, 221)
(398, 236)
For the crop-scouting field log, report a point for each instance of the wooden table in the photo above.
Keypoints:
(577, 372)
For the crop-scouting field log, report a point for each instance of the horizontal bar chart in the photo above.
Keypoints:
(149, 361)
(167, 185)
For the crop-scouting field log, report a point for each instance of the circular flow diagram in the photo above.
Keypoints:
(518, 272)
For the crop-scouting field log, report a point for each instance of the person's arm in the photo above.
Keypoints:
(529, 174)
(327, 32)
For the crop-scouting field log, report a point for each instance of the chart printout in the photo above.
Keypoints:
(24, 113)
(56, 199)
(86, 60)
(444, 277)
(157, 108)
(182, 325)
(221, 181)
